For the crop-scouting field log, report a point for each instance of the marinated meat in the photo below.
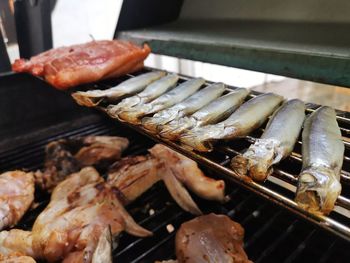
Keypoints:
(81, 207)
(16, 196)
(16, 258)
(210, 238)
(69, 66)
(66, 156)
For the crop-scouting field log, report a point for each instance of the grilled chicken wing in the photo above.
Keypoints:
(16, 241)
(210, 238)
(135, 175)
(16, 196)
(188, 173)
(81, 207)
(16, 258)
(66, 156)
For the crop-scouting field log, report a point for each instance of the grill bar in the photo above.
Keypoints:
(260, 219)
(280, 186)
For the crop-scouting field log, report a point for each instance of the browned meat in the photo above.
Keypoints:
(133, 176)
(210, 238)
(16, 258)
(66, 156)
(16, 196)
(66, 67)
(188, 173)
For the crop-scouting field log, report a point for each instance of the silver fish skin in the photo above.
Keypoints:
(323, 153)
(244, 120)
(92, 98)
(276, 143)
(215, 111)
(167, 100)
(151, 92)
(103, 251)
(188, 106)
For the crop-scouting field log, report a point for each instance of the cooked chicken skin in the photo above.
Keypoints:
(67, 156)
(97, 149)
(133, 176)
(80, 209)
(16, 258)
(210, 238)
(16, 241)
(16, 196)
(188, 173)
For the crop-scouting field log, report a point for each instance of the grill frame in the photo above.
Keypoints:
(262, 220)
(329, 223)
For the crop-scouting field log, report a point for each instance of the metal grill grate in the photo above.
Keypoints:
(272, 234)
(280, 187)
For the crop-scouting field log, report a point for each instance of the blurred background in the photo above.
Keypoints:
(83, 20)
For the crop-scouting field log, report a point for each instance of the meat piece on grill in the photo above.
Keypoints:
(188, 173)
(66, 156)
(16, 258)
(135, 175)
(16, 241)
(81, 207)
(210, 238)
(70, 66)
(16, 196)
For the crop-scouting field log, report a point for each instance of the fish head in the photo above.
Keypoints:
(318, 189)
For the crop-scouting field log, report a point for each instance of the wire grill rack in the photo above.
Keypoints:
(281, 185)
(272, 234)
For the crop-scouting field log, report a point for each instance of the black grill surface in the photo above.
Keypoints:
(272, 234)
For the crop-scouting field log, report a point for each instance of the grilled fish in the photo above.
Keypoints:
(276, 143)
(167, 100)
(151, 92)
(188, 106)
(16, 196)
(92, 98)
(215, 111)
(243, 121)
(323, 153)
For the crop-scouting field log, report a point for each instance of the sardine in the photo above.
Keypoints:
(276, 143)
(151, 92)
(323, 153)
(167, 100)
(92, 98)
(244, 120)
(214, 112)
(188, 106)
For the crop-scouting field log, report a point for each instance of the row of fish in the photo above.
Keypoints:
(197, 118)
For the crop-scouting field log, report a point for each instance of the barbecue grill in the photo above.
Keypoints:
(276, 229)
